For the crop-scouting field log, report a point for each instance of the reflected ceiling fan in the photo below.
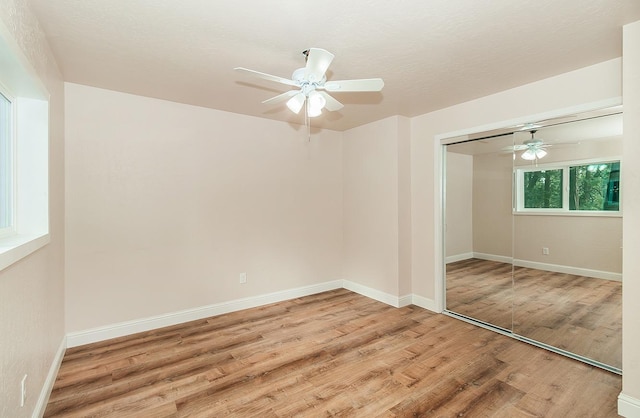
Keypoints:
(311, 85)
(534, 148)
(545, 122)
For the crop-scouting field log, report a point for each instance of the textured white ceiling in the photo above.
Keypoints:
(430, 53)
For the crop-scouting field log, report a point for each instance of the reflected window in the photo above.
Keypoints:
(588, 187)
(595, 186)
(543, 189)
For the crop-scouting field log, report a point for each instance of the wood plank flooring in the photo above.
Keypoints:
(579, 314)
(332, 354)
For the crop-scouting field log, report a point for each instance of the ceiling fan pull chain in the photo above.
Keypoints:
(307, 120)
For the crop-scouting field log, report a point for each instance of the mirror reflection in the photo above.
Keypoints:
(534, 232)
(479, 230)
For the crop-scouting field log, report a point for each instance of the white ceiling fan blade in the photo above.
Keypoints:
(515, 148)
(281, 97)
(528, 126)
(365, 84)
(265, 76)
(318, 61)
(332, 104)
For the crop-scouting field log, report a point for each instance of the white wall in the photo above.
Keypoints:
(631, 202)
(167, 204)
(371, 216)
(32, 290)
(404, 206)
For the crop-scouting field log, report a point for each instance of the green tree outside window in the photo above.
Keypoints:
(594, 187)
(543, 189)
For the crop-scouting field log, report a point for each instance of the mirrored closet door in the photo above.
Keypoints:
(479, 230)
(533, 234)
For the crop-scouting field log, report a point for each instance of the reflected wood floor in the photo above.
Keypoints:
(332, 354)
(579, 314)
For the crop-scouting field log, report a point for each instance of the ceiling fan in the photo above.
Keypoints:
(534, 148)
(528, 126)
(311, 85)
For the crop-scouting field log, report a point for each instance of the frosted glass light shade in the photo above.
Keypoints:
(531, 154)
(316, 103)
(295, 103)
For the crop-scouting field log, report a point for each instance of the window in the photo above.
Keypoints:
(24, 157)
(543, 189)
(591, 187)
(595, 187)
(6, 165)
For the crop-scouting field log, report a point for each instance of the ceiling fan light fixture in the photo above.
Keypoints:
(295, 103)
(534, 149)
(316, 103)
(313, 112)
(311, 86)
(528, 155)
(533, 154)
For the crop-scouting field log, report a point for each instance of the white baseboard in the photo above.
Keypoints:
(578, 271)
(425, 303)
(89, 336)
(493, 257)
(458, 257)
(378, 295)
(45, 392)
(556, 268)
(75, 339)
(405, 300)
(628, 407)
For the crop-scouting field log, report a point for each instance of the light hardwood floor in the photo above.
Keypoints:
(579, 314)
(332, 354)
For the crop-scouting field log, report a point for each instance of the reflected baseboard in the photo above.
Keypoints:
(481, 256)
(493, 257)
(577, 271)
(556, 268)
(458, 257)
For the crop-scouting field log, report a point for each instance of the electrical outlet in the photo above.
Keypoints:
(545, 251)
(23, 391)
(243, 277)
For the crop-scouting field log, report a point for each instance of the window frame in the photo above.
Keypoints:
(518, 193)
(10, 229)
